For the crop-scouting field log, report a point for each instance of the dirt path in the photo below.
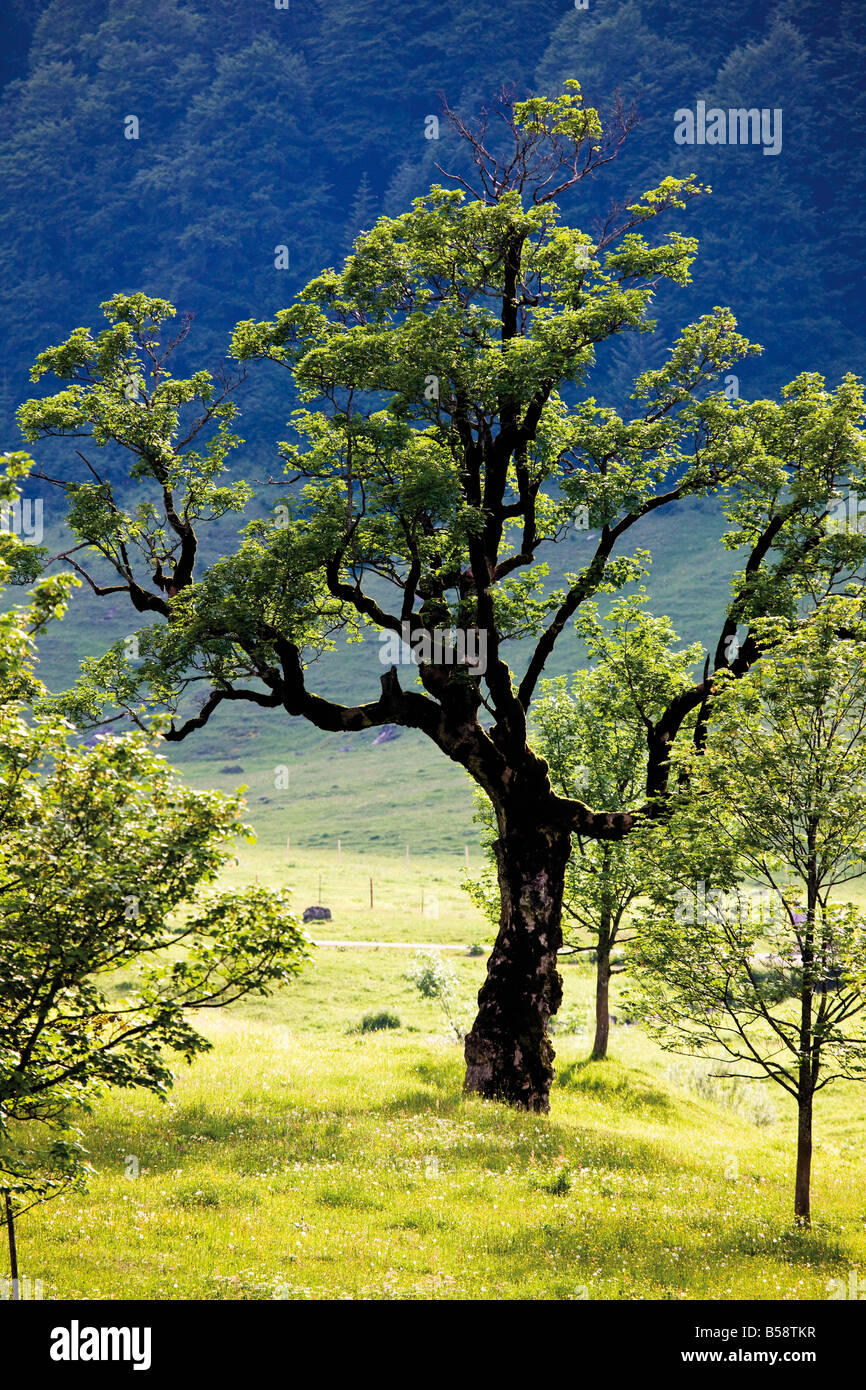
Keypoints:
(400, 945)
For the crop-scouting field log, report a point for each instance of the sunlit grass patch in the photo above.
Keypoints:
(291, 1164)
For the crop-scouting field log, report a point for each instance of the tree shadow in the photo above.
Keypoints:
(609, 1081)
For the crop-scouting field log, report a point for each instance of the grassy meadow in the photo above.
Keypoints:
(304, 1159)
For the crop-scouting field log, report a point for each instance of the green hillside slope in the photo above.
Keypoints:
(381, 796)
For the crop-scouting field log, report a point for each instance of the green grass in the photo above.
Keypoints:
(301, 1159)
(419, 900)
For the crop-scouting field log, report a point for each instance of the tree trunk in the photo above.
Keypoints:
(602, 993)
(804, 1160)
(509, 1055)
(13, 1248)
(808, 1070)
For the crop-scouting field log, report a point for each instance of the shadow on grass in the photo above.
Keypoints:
(610, 1082)
(446, 1074)
(488, 1135)
(346, 1197)
(425, 1221)
(189, 1196)
(817, 1247)
(234, 1139)
(421, 1102)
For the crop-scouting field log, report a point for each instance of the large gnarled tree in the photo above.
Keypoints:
(443, 446)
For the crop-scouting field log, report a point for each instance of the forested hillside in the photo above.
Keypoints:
(261, 127)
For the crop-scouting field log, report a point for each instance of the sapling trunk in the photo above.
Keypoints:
(808, 1069)
(804, 1160)
(602, 993)
(13, 1248)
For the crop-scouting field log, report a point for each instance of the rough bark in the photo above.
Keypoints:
(509, 1055)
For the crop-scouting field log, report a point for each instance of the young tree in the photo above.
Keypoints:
(434, 466)
(103, 853)
(592, 734)
(775, 984)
